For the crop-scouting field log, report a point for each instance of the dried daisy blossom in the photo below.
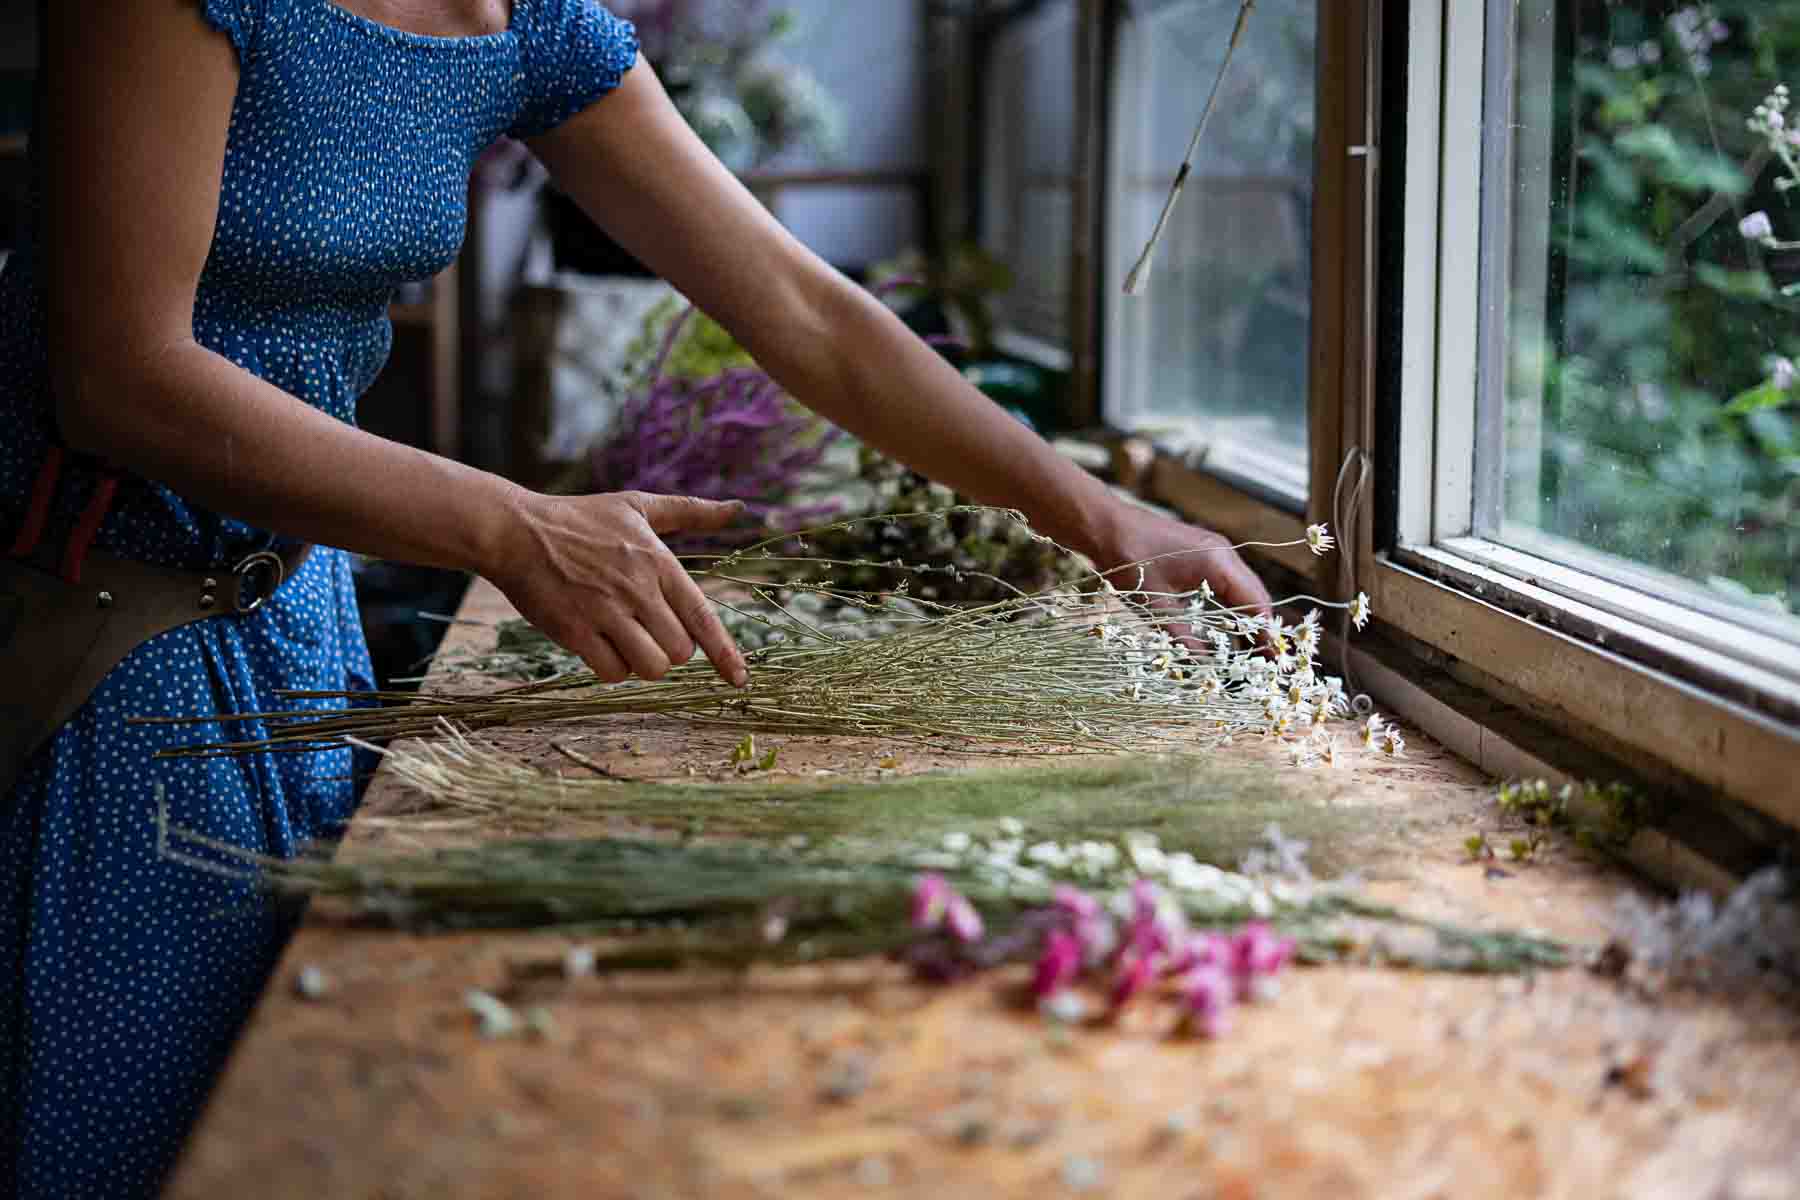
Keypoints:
(1102, 670)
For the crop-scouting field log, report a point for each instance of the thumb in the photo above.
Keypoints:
(686, 514)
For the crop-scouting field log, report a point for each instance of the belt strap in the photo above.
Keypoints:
(59, 639)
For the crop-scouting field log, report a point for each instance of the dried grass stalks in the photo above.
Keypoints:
(846, 892)
(1071, 671)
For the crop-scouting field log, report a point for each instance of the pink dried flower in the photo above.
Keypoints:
(1206, 998)
(1058, 966)
(963, 919)
(931, 901)
(1257, 955)
(1203, 950)
(936, 904)
(1156, 928)
(1087, 917)
(1138, 973)
(1145, 898)
(1099, 938)
(1077, 903)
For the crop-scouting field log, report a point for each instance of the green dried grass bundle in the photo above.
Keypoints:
(846, 893)
(1218, 813)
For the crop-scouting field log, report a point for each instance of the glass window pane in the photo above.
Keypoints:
(1215, 353)
(1028, 169)
(1638, 415)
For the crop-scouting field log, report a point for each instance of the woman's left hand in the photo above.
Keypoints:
(1185, 556)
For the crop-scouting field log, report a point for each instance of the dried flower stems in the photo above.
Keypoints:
(1220, 815)
(1063, 671)
(691, 902)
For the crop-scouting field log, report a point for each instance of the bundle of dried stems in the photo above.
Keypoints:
(1093, 669)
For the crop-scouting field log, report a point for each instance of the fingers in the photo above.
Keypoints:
(690, 607)
(663, 625)
(635, 645)
(1251, 591)
(684, 514)
(597, 651)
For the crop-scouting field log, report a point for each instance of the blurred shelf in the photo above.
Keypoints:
(438, 315)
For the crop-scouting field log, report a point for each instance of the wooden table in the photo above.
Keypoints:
(1353, 1083)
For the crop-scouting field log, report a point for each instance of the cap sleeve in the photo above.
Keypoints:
(575, 52)
(238, 20)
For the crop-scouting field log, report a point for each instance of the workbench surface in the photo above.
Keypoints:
(1354, 1082)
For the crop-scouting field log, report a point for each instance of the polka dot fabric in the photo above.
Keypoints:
(130, 973)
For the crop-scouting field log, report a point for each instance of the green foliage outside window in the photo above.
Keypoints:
(1670, 430)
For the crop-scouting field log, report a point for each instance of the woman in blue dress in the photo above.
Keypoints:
(227, 193)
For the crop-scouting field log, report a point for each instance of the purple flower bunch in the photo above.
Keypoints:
(1075, 937)
(733, 435)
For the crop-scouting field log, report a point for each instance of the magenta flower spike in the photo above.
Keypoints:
(1145, 899)
(1203, 950)
(1206, 998)
(963, 919)
(1058, 966)
(1077, 903)
(931, 901)
(1158, 929)
(1137, 974)
(1088, 918)
(1257, 956)
(1145, 935)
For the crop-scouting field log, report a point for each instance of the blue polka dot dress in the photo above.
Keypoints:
(127, 974)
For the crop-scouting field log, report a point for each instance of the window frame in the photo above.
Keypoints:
(1394, 336)
(1578, 647)
(1341, 256)
(1342, 222)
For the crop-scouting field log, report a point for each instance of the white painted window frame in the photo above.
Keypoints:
(1716, 698)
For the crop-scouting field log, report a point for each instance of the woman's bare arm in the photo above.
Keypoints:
(634, 165)
(135, 137)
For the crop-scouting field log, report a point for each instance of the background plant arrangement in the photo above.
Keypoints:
(722, 67)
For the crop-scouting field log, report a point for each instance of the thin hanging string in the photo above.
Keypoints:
(1346, 511)
(1139, 279)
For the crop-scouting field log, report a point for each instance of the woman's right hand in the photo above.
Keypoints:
(593, 574)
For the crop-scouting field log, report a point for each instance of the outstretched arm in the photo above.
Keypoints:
(636, 168)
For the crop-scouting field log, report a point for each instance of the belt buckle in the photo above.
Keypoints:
(263, 568)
